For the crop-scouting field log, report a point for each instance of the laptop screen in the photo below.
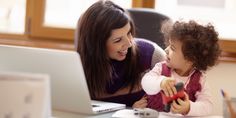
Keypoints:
(69, 90)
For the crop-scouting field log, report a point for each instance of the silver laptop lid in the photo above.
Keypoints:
(68, 82)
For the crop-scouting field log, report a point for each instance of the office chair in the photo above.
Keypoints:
(148, 24)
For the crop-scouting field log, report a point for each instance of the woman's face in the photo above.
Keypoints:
(118, 43)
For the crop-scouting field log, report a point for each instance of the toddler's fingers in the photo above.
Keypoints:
(166, 92)
(169, 90)
(172, 90)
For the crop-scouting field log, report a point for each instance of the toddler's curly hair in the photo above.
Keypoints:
(199, 42)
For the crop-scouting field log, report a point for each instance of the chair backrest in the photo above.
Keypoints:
(148, 24)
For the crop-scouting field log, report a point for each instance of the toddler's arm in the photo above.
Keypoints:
(151, 81)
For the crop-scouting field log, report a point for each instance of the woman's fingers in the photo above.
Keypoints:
(142, 103)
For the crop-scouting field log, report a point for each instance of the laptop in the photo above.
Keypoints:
(69, 91)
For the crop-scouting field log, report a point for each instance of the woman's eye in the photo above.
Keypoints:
(129, 33)
(172, 48)
(117, 40)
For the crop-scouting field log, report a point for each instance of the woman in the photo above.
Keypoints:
(113, 61)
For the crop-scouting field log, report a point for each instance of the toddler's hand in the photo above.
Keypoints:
(182, 107)
(167, 85)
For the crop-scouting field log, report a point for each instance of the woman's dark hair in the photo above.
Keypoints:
(199, 43)
(94, 29)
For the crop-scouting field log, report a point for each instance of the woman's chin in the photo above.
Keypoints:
(120, 58)
(168, 63)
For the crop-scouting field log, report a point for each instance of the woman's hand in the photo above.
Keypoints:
(142, 103)
(182, 107)
(168, 86)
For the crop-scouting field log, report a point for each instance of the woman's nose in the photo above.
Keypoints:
(167, 50)
(128, 42)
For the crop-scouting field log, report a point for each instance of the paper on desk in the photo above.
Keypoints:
(136, 113)
(124, 113)
(24, 95)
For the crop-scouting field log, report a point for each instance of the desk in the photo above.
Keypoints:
(60, 114)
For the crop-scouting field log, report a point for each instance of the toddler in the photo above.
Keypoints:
(193, 48)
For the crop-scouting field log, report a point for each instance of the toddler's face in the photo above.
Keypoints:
(175, 58)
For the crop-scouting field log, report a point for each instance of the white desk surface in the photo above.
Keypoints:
(60, 114)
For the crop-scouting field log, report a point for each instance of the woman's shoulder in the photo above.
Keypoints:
(143, 42)
(144, 45)
(147, 45)
(150, 49)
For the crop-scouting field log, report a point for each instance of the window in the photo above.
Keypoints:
(59, 20)
(220, 13)
(55, 19)
(12, 16)
(66, 12)
(45, 19)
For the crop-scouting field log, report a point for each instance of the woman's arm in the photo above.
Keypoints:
(158, 55)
